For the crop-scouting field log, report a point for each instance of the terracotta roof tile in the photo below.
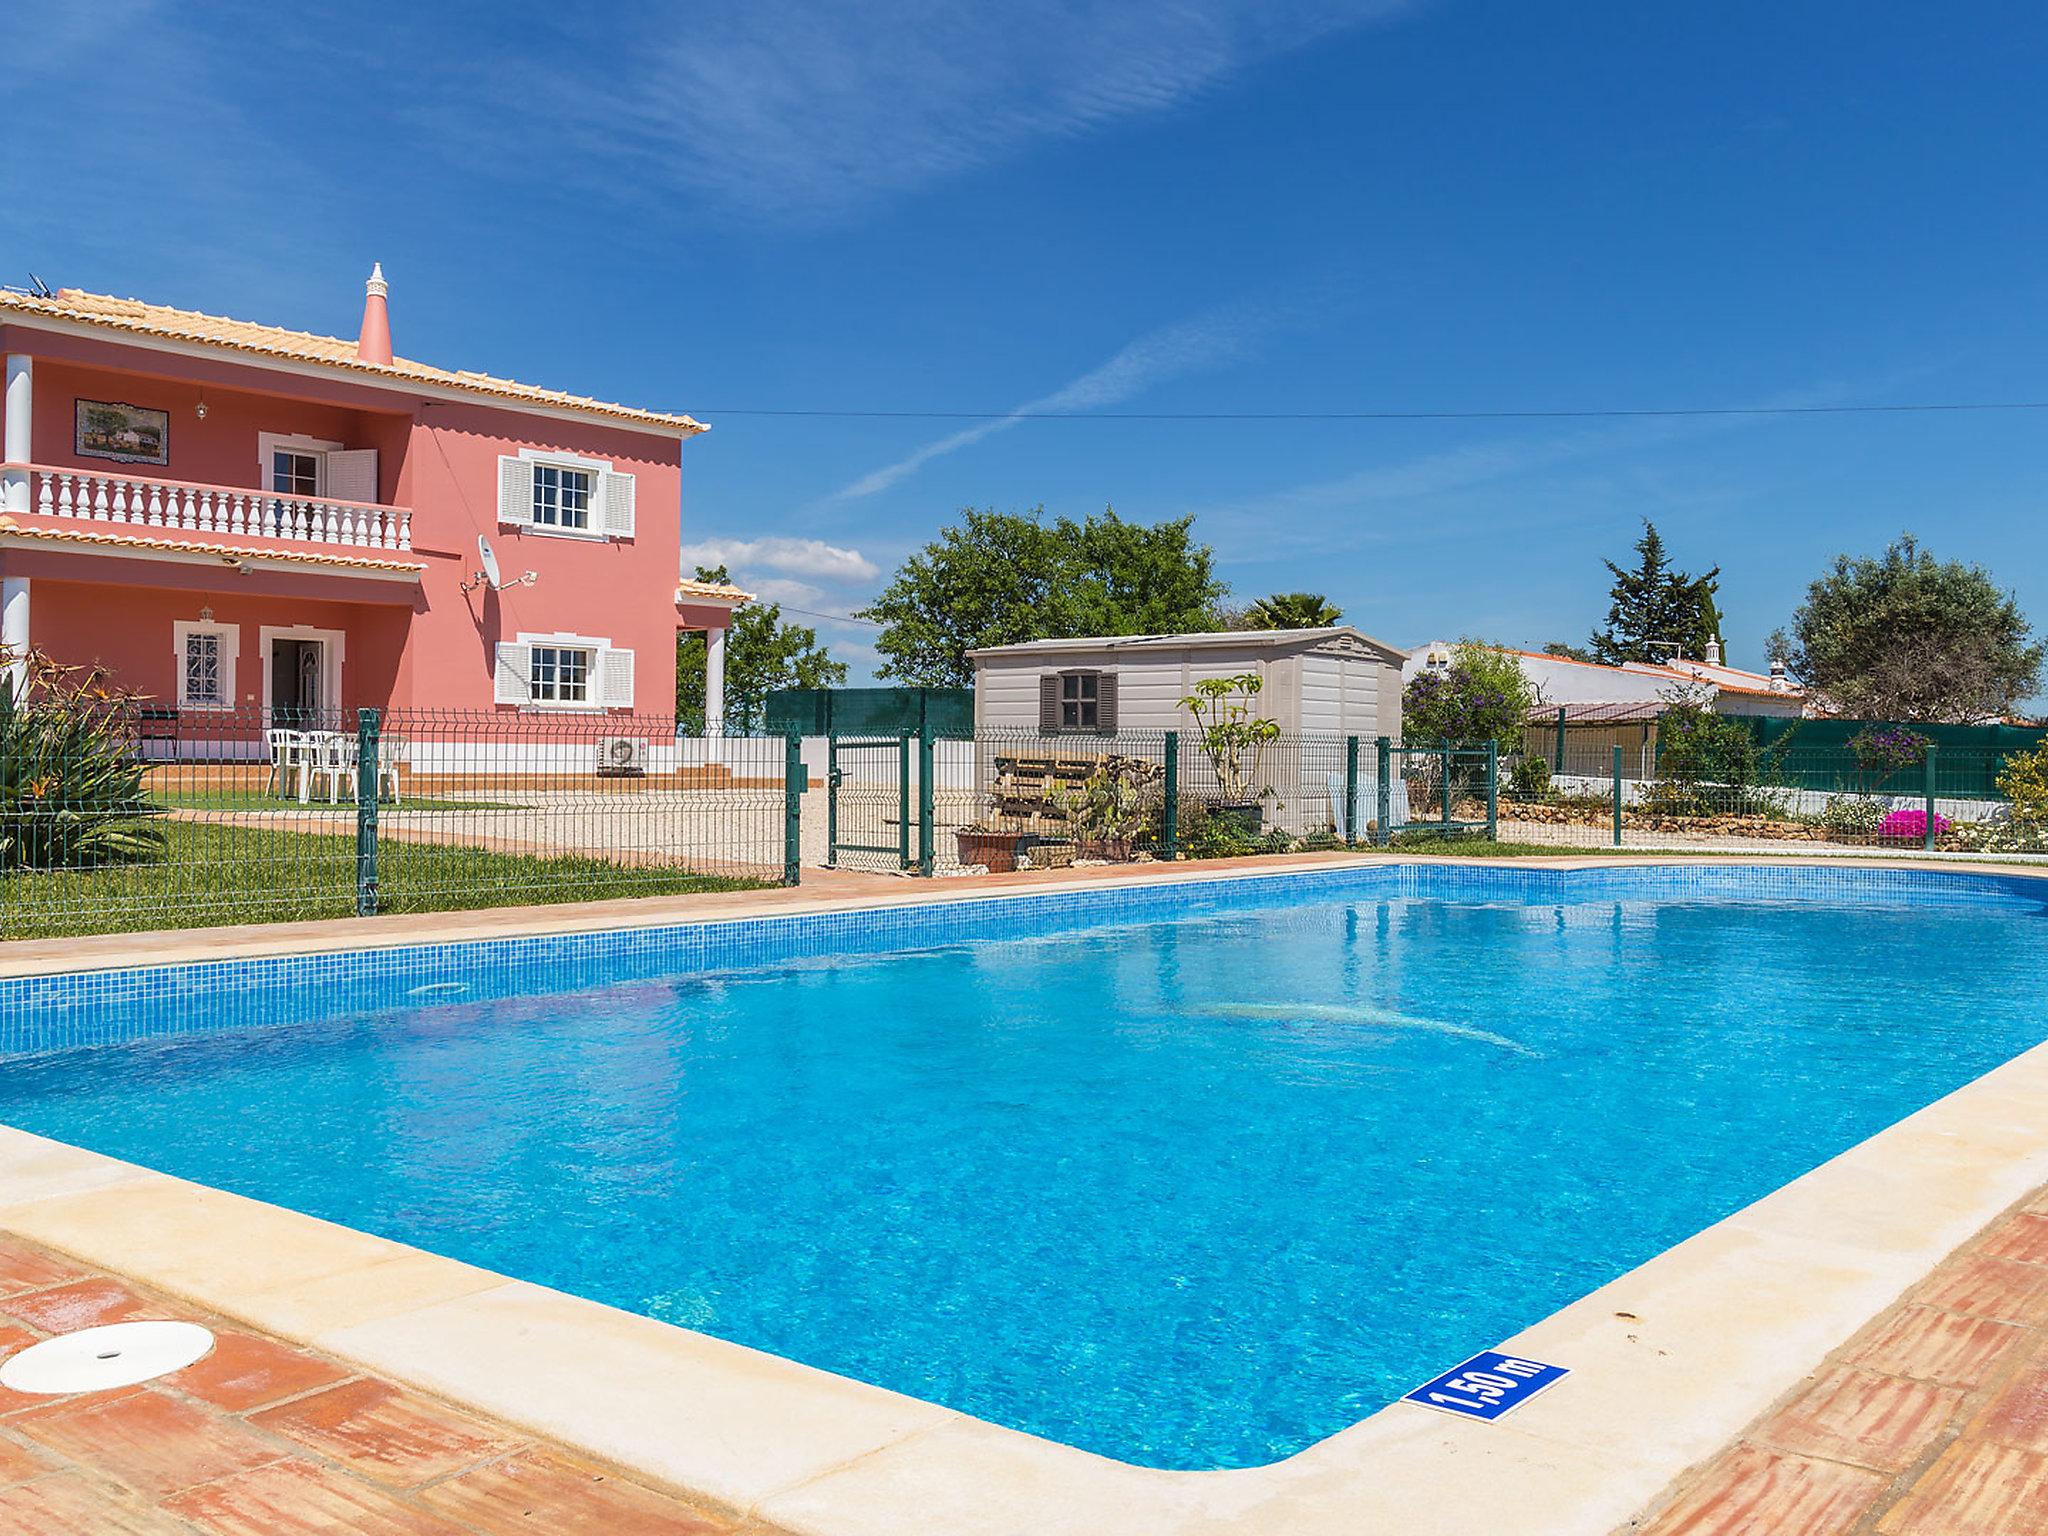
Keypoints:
(712, 589)
(138, 318)
(13, 529)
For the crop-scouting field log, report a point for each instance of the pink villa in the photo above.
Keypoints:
(240, 518)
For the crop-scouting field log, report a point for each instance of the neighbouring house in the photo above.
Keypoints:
(240, 518)
(1601, 707)
(1336, 681)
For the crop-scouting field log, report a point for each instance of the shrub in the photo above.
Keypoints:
(1483, 695)
(1909, 826)
(1852, 816)
(1885, 749)
(1529, 778)
(2023, 781)
(71, 784)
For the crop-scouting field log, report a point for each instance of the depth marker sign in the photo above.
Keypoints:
(1487, 1386)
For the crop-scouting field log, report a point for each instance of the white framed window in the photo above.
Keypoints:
(561, 496)
(571, 672)
(292, 464)
(205, 654)
(561, 673)
(565, 494)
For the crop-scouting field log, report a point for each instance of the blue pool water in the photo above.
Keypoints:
(1193, 1185)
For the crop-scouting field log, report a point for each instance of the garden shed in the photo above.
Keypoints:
(1336, 681)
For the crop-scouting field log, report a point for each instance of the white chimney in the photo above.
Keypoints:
(1779, 682)
(1713, 653)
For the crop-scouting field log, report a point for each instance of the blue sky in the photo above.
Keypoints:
(1144, 205)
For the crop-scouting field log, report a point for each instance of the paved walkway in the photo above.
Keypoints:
(262, 1438)
(1933, 1421)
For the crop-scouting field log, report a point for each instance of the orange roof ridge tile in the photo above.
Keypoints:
(170, 323)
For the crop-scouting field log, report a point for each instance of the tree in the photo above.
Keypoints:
(761, 653)
(1568, 651)
(1483, 695)
(1656, 608)
(1000, 578)
(1293, 610)
(1905, 636)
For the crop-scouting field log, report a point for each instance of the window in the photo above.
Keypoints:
(202, 669)
(1080, 701)
(561, 496)
(562, 671)
(553, 492)
(1077, 703)
(561, 674)
(204, 654)
(294, 472)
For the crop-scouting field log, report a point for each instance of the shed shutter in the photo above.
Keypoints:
(615, 678)
(617, 516)
(515, 490)
(352, 474)
(1049, 704)
(1105, 703)
(514, 667)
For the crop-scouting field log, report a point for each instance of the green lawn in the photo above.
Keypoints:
(212, 874)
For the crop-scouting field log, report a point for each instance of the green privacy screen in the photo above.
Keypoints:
(871, 711)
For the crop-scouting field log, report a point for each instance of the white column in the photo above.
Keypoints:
(714, 682)
(14, 447)
(14, 631)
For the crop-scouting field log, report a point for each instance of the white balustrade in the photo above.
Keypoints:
(149, 503)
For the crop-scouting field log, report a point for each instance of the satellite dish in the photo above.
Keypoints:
(489, 557)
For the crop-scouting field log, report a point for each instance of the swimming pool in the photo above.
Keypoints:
(1191, 1176)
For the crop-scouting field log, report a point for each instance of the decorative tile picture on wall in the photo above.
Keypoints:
(132, 434)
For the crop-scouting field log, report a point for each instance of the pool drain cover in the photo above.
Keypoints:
(94, 1359)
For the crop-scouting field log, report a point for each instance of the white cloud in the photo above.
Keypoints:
(779, 589)
(796, 557)
(812, 107)
(1187, 346)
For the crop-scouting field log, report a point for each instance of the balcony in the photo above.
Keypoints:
(146, 501)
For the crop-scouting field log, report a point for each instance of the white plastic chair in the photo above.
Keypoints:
(284, 754)
(330, 756)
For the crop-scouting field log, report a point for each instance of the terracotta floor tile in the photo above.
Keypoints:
(1987, 1287)
(298, 1498)
(1975, 1489)
(24, 1269)
(246, 1371)
(1755, 1492)
(2023, 1237)
(18, 1463)
(154, 1444)
(65, 1505)
(1939, 1346)
(386, 1433)
(82, 1304)
(1882, 1422)
(2018, 1415)
(540, 1491)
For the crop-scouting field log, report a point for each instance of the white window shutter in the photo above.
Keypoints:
(514, 667)
(615, 678)
(515, 490)
(618, 505)
(352, 474)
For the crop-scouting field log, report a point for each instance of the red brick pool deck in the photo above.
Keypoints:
(262, 1438)
(1933, 1421)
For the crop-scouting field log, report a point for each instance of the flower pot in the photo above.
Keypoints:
(995, 850)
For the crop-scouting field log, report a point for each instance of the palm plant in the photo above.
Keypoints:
(1293, 610)
(71, 783)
